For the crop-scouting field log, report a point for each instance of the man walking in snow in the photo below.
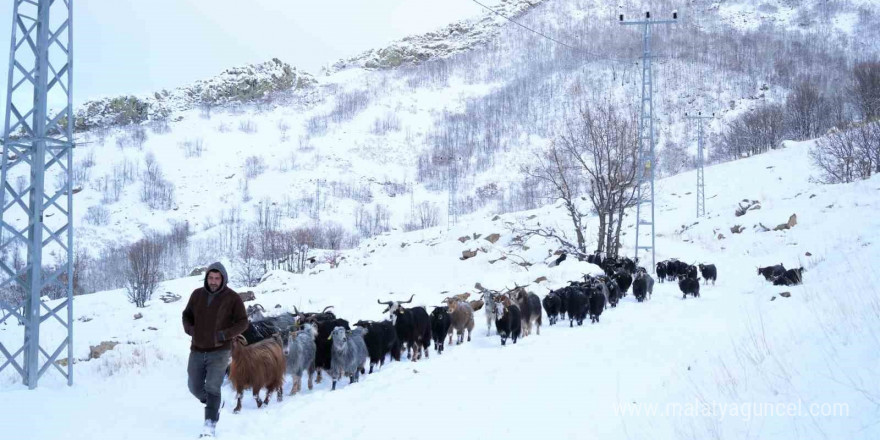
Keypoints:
(214, 316)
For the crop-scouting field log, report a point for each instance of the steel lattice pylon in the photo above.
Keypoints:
(646, 136)
(701, 176)
(37, 221)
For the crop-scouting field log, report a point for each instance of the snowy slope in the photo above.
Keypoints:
(740, 343)
(492, 91)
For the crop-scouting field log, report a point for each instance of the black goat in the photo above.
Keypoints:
(709, 272)
(381, 340)
(440, 323)
(689, 286)
(413, 327)
(552, 303)
(771, 272)
(791, 277)
(508, 323)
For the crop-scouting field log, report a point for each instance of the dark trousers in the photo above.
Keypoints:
(206, 371)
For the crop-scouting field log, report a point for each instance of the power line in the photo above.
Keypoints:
(524, 26)
(575, 48)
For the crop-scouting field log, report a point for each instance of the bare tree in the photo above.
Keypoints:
(604, 142)
(866, 89)
(426, 215)
(556, 168)
(674, 158)
(249, 268)
(754, 132)
(807, 110)
(844, 156)
(142, 272)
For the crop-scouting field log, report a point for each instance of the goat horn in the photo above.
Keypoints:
(241, 340)
(296, 310)
(409, 300)
(387, 303)
(325, 309)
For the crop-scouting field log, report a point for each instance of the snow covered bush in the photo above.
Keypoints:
(847, 155)
(254, 166)
(97, 215)
(142, 271)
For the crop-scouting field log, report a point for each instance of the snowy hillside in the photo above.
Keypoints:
(741, 343)
(374, 149)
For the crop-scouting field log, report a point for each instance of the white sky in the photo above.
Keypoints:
(140, 46)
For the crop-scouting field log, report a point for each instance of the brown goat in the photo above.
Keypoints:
(459, 297)
(462, 319)
(257, 366)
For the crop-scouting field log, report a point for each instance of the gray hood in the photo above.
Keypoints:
(218, 267)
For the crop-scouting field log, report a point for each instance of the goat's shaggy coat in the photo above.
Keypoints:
(256, 367)
(301, 356)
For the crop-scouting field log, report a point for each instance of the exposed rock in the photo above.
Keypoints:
(737, 229)
(497, 259)
(198, 271)
(463, 238)
(468, 254)
(721, 236)
(95, 351)
(808, 254)
(785, 294)
(773, 299)
(540, 279)
(84, 318)
(492, 238)
(247, 296)
(277, 306)
(138, 316)
(152, 328)
(476, 236)
(792, 221)
(234, 85)
(496, 218)
(170, 297)
(746, 206)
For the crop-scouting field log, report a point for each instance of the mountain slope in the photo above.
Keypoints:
(741, 343)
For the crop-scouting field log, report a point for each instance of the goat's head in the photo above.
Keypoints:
(339, 335)
(500, 309)
(393, 306)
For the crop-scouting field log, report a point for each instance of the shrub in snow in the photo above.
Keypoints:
(254, 166)
(142, 273)
(97, 215)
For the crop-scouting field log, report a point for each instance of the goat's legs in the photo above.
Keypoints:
(238, 405)
(296, 381)
(257, 397)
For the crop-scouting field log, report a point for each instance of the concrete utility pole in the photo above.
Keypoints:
(38, 144)
(646, 133)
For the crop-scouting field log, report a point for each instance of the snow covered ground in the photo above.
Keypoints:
(638, 373)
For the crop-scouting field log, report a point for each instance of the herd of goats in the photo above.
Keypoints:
(300, 342)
